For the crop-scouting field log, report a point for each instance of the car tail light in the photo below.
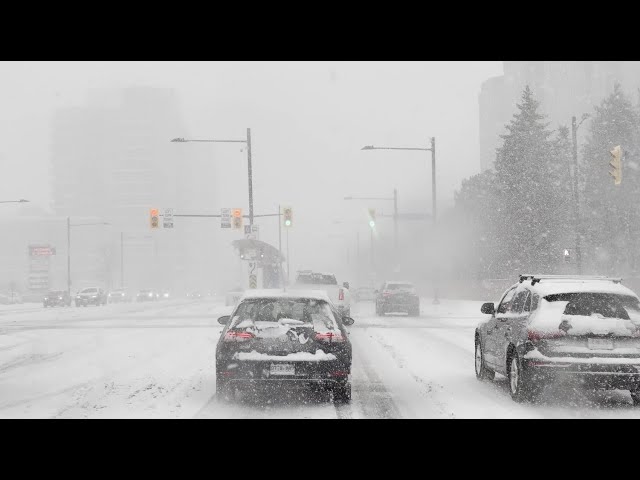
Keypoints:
(329, 337)
(535, 335)
(238, 336)
(338, 373)
(341, 294)
(386, 293)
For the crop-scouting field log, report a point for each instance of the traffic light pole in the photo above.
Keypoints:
(576, 198)
(250, 176)
(121, 259)
(69, 256)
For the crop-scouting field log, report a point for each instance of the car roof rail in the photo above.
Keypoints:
(536, 278)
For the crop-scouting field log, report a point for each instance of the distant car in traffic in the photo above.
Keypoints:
(57, 298)
(397, 297)
(91, 296)
(364, 294)
(119, 296)
(147, 295)
(281, 337)
(577, 329)
(194, 295)
(340, 296)
(165, 295)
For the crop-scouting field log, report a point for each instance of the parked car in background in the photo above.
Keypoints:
(364, 294)
(147, 295)
(578, 329)
(276, 337)
(397, 297)
(57, 298)
(165, 295)
(119, 296)
(338, 295)
(91, 296)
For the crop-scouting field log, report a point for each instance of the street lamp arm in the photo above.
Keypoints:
(371, 147)
(88, 224)
(22, 200)
(368, 198)
(185, 140)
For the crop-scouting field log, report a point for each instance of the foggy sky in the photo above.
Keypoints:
(308, 120)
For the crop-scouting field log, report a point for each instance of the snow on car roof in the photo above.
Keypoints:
(280, 293)
(549, 287)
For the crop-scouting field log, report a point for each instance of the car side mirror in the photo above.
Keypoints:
(348, 321)
(345, 285)
(488, 308)
(224, 320)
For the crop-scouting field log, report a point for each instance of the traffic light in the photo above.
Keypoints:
(288, 216)
(616, 163)
(236, 219)
(154, 218)
(567, 255)
(372, 217)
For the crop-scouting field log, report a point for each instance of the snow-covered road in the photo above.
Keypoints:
(157, 361)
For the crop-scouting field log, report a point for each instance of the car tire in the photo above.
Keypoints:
(379, 311)
(521, 386)
(482, 372)
(342, 393)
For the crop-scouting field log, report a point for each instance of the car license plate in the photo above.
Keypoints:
(282, 369)
(600, 343)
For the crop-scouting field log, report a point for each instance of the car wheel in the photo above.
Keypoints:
(482, 372)
(342, 393)
(379, 311)
(521, 385)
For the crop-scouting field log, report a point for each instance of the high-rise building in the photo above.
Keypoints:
(565, 89)
(112, 159)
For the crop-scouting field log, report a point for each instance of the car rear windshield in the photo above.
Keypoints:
(298, 311)
(606, 305)
(399, 286)
(89, 290)
(317, 279)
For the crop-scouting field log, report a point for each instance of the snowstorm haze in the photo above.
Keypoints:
(133, 286)
(309, 121)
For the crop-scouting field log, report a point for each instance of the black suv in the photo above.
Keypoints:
(284, 338)
(91, 296)
(573, 328)
(56, 298)
(397, 297)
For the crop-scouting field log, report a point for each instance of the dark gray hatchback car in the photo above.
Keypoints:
(548, 328)
(274, 338)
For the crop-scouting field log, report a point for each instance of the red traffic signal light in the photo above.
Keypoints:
(154, 218)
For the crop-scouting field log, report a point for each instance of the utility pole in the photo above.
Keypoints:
(250, 176)
(395, 221)
(433, 177)
(121, 259)
(372, 262)
(69, 256)
(288, 278)
(576, 199)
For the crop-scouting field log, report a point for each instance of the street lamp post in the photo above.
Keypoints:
(432, 149)
(69, 225)
(576, 194)
(250, 171)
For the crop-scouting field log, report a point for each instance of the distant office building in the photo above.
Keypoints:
(564, 89)
(113, 159)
